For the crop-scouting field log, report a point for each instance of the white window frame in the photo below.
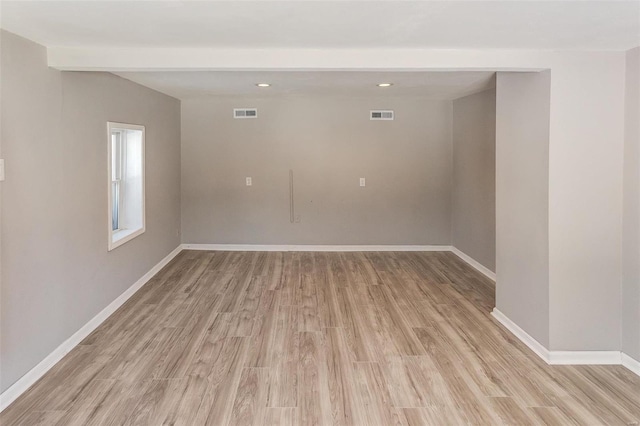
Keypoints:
(123, 235)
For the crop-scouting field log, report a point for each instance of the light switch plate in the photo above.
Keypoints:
(1, 170)
(362, 182)
(248, 179)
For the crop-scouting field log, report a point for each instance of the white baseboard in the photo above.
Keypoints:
(585, 358)
(524, 337)
(305, 247)
(26, 381)
(477, 265)
(567, 357)
(631, 364)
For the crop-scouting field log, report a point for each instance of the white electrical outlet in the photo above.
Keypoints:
(362, 182)
(1, 170)
(248, 179)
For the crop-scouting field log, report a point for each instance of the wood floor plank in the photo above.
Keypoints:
(431, 415)
(281, 416)
(373, 392)
(72, 374)
(224, 379)
(265, 323)
(149, 403)
(308, 318)
(250, 405)
(328, 305)
(42, 418)
(588, 391)
(103, 409)
(284, 355)
(210, 348)
(624, 394)
(82, 409)
(340, 377)
(127, 397)
(290, 282)
(359, 330)
(510, 412)
(182, 410)
(285, 338)
(416, 382)
(314, 399)
(550, 416)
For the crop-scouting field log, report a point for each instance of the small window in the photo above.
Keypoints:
(126, 183)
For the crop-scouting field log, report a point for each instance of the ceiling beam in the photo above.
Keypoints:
(204, 59)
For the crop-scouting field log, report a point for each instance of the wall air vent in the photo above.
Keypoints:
(245, 113)
(381, 115)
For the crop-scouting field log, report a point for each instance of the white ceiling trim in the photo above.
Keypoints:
(206, 59)
(198, 84)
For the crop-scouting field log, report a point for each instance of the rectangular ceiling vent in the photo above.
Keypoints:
(381, 115)
(245, 113)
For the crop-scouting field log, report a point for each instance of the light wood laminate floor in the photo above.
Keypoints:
(273, 338)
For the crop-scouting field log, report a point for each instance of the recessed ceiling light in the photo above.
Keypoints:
(385, 84)
(263, 85)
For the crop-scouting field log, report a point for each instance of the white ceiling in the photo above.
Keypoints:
(432, 85)
(606, 25)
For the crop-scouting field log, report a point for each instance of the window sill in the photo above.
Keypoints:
(122, 236)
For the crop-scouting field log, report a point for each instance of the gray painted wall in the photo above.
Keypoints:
(586, 201)
(57, 273)
(473, 206)
(631, 213)
(522, 200)
(329, 143)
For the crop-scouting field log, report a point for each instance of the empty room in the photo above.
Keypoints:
(319, 213)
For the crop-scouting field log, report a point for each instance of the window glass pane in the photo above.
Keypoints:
(131, 214)
(116, 155)
(115, 206)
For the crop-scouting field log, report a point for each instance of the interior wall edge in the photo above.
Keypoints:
(474, 263)
(630, 363)
(473, 184)
(567, 357)
(312, 247)
(537, 347)
(345, 248)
